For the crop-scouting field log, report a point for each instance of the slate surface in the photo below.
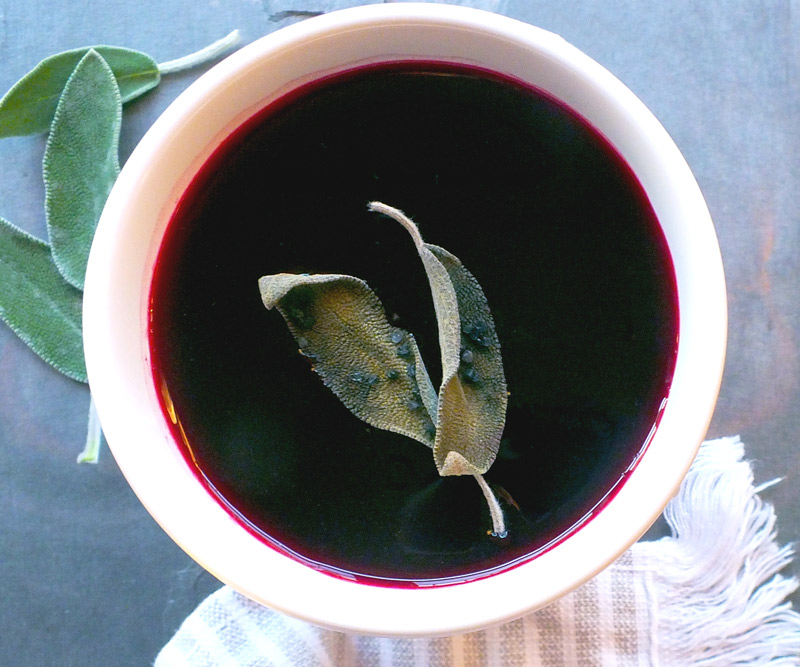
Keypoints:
(89, 578)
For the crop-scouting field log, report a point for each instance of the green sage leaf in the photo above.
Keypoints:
(81, 162)
(374, 368)
(473, 396)
(30, 105)
(36, 303)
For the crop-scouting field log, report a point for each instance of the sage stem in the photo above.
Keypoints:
(94, 433)
(496, 512)
(203, 55)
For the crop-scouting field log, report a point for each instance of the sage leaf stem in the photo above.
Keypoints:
(81, 162)
(495, 511)
(94, 435)
(204, 55)
(37, 304)
(445, 302)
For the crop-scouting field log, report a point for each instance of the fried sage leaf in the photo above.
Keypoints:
(81, 162)
(473, 396)
(374, 368)
(477, 393)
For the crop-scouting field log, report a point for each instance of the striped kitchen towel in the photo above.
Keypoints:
(710, 594)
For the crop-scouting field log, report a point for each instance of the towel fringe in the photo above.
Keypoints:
(719, 596)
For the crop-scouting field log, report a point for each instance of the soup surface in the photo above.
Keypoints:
(535, 203)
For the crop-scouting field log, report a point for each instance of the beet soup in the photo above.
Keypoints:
(538, 206)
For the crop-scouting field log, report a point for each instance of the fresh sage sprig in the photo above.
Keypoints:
(77, 97)
(377, 371)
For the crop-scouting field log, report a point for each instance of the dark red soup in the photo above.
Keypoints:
(535, 203)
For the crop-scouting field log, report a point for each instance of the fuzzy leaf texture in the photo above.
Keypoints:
(30, 105)
(37, 304)
(472, 397)
(473, 400)
(375, 369)
(81, 162)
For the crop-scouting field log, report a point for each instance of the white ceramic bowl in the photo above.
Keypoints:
(128, 237)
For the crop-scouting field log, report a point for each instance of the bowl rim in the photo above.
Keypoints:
(116, 312)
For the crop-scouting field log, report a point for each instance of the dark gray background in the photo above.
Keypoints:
(89, 579)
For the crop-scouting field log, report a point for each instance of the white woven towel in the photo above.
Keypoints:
(708, 595)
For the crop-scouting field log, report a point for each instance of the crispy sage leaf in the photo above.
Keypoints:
(477, 392)
(473, 396)
(81, 162)
(36, 303)
(374, 368)
(30, 105)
